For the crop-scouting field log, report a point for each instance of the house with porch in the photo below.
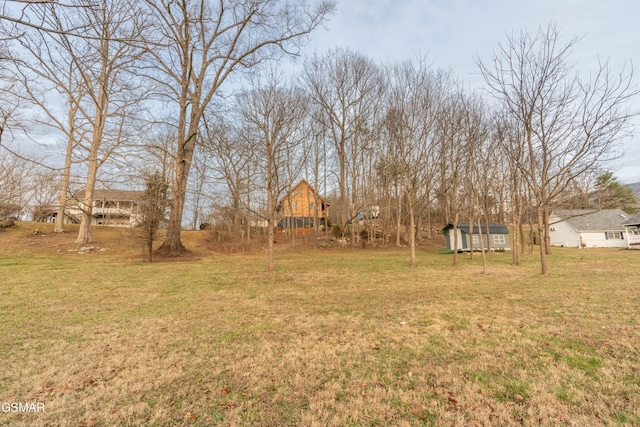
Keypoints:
(301, 207)
(632, 231)
(111, 208)
(588, 228)
(495, 237)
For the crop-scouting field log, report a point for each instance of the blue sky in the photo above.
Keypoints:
(451, 33)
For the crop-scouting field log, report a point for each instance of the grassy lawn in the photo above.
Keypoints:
(337, 337)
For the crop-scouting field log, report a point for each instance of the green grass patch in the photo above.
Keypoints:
(588, 365)
(333, 337)
(512, 390)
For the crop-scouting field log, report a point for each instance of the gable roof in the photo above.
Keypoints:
(633, 220)
(302, 184)
(592, 220)
(493, 228)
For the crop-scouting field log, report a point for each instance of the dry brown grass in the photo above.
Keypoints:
(333, 338)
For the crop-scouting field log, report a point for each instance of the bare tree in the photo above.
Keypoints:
(152, 210)
(9, 104)
(49, 63)
(195, 46)
(508, 140)
(479, 161)
(414, 98)
(93, 74)
(452, 157)
(475, 129)
(46, 186)
(386, 175)
(316, 155)
(568, 125)
(232, 154)
(16, 183)
(347, 86)
(17, 16)
(199, 189)
(111, 90)
(274, 118)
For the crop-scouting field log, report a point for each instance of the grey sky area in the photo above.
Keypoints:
(453, 33)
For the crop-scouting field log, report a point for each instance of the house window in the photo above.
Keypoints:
(614, 235)
(499, 239)
(634, 230)
(311, 206)
(476, 240)
(294, 205)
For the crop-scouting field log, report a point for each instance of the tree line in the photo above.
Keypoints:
(192, 90)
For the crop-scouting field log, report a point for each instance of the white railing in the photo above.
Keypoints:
(634, 241)
(113, 211)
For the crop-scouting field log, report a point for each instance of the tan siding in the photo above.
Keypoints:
(302, 201)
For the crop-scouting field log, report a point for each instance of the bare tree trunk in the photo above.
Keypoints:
(398, 212)
(270, 237)
(547, 236)
(412, 225)
(471, 234)
(248, 210)
(102, 104)
(515, 250)
(342, 185)
(84, 233)
(64, 187)
(516, 220)
(542, 239)
(487, 222)
(455, 239)
(150, 250)
(386, 222)
(172, 244)
(482, 250)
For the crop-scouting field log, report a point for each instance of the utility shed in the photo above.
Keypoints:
(588, 228)
(497, 237)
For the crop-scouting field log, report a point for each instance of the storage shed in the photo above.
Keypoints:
(497, 237)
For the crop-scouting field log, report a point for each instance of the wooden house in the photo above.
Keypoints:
(584, 228)
(301, 206)
(495, 239)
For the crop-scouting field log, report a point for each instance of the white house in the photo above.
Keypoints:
(111, 208)
(583, 228)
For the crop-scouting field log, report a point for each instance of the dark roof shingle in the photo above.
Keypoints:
(493, 228)
(592, 220)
